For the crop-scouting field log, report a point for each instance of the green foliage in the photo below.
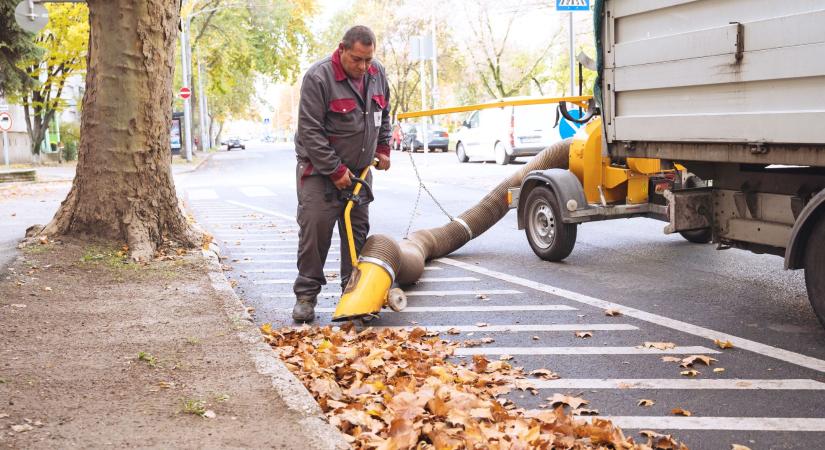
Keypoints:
(15, 45)
(70, 136)
(239, 45)
(194, 406)
(149, 359)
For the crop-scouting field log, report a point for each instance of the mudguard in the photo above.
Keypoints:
(564, 185)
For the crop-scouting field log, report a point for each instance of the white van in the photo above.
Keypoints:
(502, 134)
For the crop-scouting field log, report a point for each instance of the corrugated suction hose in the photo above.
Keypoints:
(408, 257)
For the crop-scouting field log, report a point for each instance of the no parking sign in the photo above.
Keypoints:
(5, 121)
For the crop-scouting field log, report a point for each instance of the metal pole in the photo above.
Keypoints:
(422, 74)
(572, 58)
(202, 105)
(187, 111)
(6, 148)
(435, 61)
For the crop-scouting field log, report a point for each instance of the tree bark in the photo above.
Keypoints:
(123, 189)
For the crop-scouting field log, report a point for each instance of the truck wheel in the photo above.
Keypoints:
(460, 153)
(815, 269)
(502, 158)
(702, 236)
(549, 237)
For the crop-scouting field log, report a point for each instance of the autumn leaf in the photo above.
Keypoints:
(660, 345)
(688, 361)
(487, 340)
(584, 334)
(545, 374)
(719, 370)
(671, 359)
(453, 331)
(482, 324)
(505, 357)
(738, 447)
(573, 402)
(689, 373)
(680, 412)
(723, 344)
(645, 402)
(612, 312)
(585, 412)
(207, 239)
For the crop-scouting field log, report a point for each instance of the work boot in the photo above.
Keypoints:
(304, 309)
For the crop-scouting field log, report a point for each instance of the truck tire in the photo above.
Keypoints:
(815, 269)
(702, 236)
(549, 237)
(460, 153)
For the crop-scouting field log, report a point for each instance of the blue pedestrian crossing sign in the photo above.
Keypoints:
(572, 5)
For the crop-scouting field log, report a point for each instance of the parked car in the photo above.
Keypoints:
(502, 134)
(234, 143)
(438, 139)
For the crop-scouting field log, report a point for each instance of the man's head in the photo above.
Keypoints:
(357, 49)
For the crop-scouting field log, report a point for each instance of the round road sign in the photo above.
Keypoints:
(5, 121)
(31, 20)
(185, 93)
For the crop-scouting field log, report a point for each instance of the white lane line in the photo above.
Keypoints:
(269, 240)
(480, 308)
(201, 194)
(460, 292)
(290, 281)
(525, 328)
(433, 268)
(289, 270)
(690, 350)
(446, 279)
(256, 191)
(291, 295)
(679, 383)
(678, 325)
(238, 255)
(718, 423)
(276, 261)
(262, 210)
(232, 245)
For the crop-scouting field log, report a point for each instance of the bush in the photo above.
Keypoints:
(70, 137)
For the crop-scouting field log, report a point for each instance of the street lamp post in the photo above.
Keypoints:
(187, 107)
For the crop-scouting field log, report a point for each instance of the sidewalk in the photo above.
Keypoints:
(100, 352)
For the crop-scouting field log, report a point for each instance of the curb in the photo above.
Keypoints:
(200, 164)
(321, 435)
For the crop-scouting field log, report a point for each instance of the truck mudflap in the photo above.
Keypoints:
(803, 226)
(563, 183)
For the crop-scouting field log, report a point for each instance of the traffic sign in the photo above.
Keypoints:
(31, 17)
(572, 5)
(185, 93)
(5, 121)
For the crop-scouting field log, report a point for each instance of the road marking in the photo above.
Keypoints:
(256, 191)
(201, 194)
(291, 295)
(717, 423)
(248, 254)
(289, 270)
(460, 292)
(679, 383)
(276, 261)
(262, 210)
(678, 325)
(524, 328)
(690, 350)
(269, 240)
(433, 268)
(232, 245)
(480, 308)
(447, 279)
(292, 281)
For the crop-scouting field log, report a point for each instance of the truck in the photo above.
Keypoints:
(708, 115)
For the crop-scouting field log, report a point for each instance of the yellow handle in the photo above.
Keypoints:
(348, 222)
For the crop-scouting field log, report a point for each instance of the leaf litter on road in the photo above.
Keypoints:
(395, 389)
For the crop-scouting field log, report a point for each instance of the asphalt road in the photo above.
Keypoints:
(770, 394)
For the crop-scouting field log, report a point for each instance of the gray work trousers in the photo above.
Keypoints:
(318, 211)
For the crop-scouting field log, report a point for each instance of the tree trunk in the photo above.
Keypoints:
(123, 189)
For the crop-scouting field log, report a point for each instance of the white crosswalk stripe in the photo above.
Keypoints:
(718, 423)
(679, 383)
(446, 279)
(201, 194)
(690, 350)
(479, 308)
(526, 328)
(256, 191)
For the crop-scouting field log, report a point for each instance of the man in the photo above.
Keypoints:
(343, 125)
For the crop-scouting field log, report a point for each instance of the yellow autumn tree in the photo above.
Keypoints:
(64, 42)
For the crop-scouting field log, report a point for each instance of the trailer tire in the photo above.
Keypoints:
(815, 269)
(549, 237)
(702, 236)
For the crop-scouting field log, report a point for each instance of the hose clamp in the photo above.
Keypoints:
(379, 263)
(466, 227)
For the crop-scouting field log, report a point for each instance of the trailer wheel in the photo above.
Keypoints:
(702, 236)
(549, 237)
(815, 269)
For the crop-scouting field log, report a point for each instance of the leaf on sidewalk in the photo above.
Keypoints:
(561, 399)
(612, 312)
(645, 402)
(660, 345)
(688, 361)
(545, 374)
(723, 344)
(689, 373)
(739, 447)
(680, 412)
(584, 334)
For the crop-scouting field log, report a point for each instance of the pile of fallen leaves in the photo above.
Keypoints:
(395, 389)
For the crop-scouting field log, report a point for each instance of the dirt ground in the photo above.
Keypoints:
(97, 352)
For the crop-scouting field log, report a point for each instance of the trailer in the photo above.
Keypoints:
(708, 115)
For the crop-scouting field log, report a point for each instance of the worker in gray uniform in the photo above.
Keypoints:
(343, 126)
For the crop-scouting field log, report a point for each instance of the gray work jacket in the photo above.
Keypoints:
(337, 127)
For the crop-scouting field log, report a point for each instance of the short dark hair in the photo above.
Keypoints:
(358, 33)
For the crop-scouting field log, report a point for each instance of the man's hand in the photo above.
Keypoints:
(345, 181)
(383, 161)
